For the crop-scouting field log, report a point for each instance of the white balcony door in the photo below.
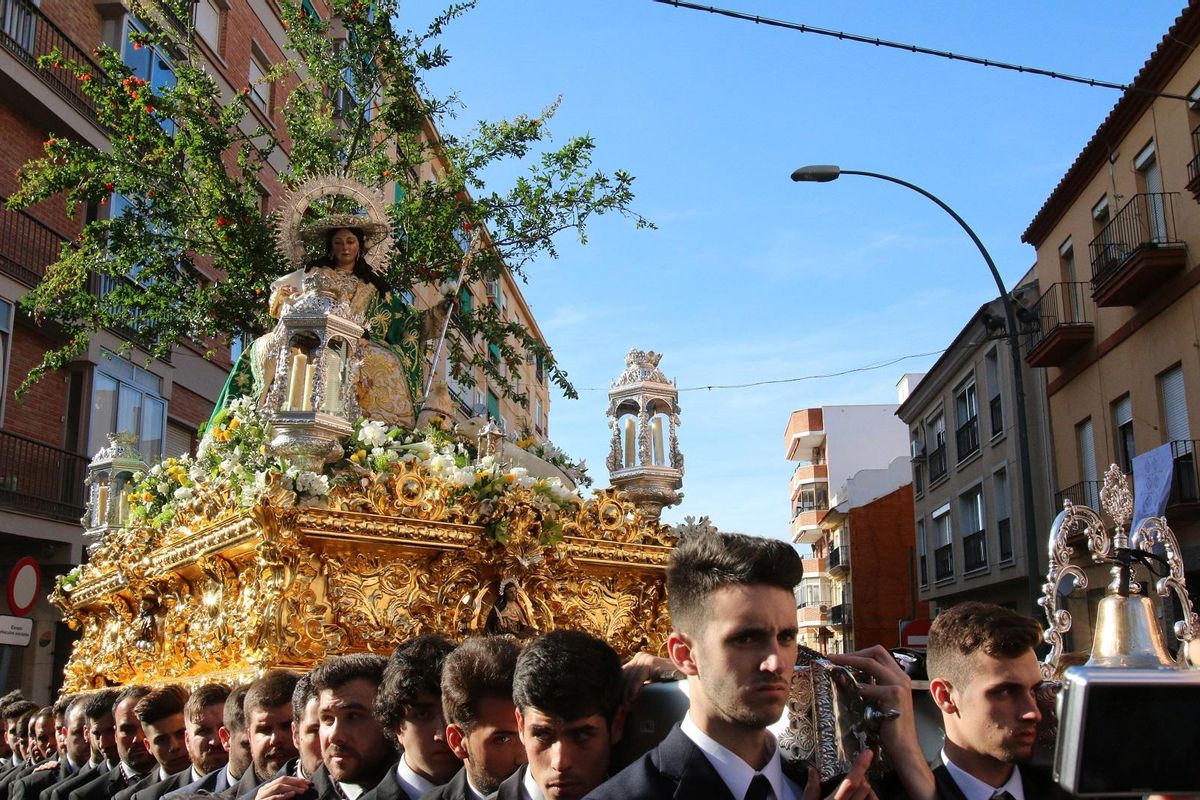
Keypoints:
(1147, 164)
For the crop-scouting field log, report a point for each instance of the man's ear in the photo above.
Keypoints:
(456, 740)
(683, 656)
(520, 726)
(617, 728)
(941, 690)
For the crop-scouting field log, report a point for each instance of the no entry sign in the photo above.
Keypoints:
(24, 583)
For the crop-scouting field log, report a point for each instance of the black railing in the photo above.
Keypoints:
(137, 320)
(838, 557)
(1084, 493)
(1006, 541)
(1184, 488)
(839, 614)
(966, 438)
(27, 247)
(996, 414)
(1147, 220)
(1063, 304)
(40, 479)
(943, 562)
(975, 551)
(1194, 165)
(937, 464)
(27, 33)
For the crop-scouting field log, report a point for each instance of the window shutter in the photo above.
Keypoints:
(1174, 404)
(1087, 449)
(1123, 411)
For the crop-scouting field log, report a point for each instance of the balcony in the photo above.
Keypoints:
(41, 480)
(1084, 493)
(975, 551)
(27, 247)
(943, 563)
(937, 464)
(806, 520)
(840, 614)
(1136, 251)
(966, 439)
(808, 472)
(839, 561)
(1184, 501)
(813, 615)
(1193, 167)
(27, 34)
(137, 320)
(1064, 326)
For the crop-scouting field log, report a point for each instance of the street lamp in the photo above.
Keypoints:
(824, 173)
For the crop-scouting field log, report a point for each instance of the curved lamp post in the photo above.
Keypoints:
(824, 173)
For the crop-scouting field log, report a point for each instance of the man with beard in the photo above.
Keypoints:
(75, 758)
(161, 715)
(7, 757)
(201, 718)
(268, 709)
(135, 761)
(734, 616)
(982, 675)
(567, 690)
(102, 741)
(19, 728)
(409, 706)
(306, 727)
(204, 710)
(481, 723)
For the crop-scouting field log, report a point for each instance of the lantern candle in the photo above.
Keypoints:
(295, 382)
(306, 398)
(102, 505)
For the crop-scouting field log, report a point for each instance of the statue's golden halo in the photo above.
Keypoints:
(296, 234)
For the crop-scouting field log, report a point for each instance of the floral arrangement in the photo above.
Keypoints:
(234, 452)
(548, 451)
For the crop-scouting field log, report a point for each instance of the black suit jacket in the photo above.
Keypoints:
(212, 783)
(31, 785)
(676, 768)
(247, 785)
(511, 788)
(104, 787)
(14, 775)
(1038, 784)
(145, 783)
(158, 789)
(59, 791)
(454, 789)
(388, 787)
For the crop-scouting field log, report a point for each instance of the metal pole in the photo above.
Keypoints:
(1010, 317)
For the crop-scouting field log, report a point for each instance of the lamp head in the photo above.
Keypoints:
(817, 173)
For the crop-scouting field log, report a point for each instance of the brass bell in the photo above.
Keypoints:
(1127, 634)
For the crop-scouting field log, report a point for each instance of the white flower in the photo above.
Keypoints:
(462, 477)
(312, 483)
(183, 493)
(164, 487)
(372, 433)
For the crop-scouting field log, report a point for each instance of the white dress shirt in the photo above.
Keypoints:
(736, 773)
(413, 784)
(472, 792)
(975, 789)
(529, 787)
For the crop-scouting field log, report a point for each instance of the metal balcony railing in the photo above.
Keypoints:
(838, 557)
(1061, 304)
(943, 562)
(1084, 493)
(1193, 167)
(839, 614)
(27, 246)
(937, 464)
(1184, 485)
(27, 33)
(975, 551)
(39, 479)
(966, 438)
(1147, 220)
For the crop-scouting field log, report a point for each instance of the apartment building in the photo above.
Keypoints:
(830, 444)
(968, 489)
(48, 437)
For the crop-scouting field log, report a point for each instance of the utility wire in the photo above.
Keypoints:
(913, 48)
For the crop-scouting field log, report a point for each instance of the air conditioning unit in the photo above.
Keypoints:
(917, 449)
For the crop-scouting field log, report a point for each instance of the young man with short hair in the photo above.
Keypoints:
(74, 758)
(356, 752)
(135, 761)
(983, 674)
(306, 727)
(481, 724)
(101, 736)
(409, 706)
(164, 729)
(203, 715)
(268, 719)
(567, 690)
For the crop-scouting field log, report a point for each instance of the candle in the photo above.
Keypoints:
(295, 382)
(333, 384)
(630, 443)
(310, 372)
(102, 506)
(122, 507)
(656, 432)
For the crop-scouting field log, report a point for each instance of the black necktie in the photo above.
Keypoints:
(759, 788)
(1002, 795)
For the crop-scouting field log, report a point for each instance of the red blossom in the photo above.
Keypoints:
(222, 221)
(108, 186)
(468, 225)
(85, 76)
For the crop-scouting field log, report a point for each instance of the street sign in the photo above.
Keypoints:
(16, 631)
(24, 582)
(914, 633)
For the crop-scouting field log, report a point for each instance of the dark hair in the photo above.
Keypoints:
(78, 701)
(161, 703)
(45, 712)
(568, 674)
(100, 704)
(134, 692)
(7, 700)
(961, 630)
(61, 705)
(20, 709)
(272, 690)
(415, 668)
(234, 718)
(301, 695)
(336, 672)
(481, 667)
(702, 564)
(26, 719)
(210, 694)
(362, 270)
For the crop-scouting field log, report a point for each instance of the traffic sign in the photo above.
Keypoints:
(16, 631)
(24, 583)
(914, 633)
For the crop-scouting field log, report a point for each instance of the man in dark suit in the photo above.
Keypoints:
(982, 674)
(355, 749)
(161, 715)
(567, 690)
(202, 753)
(135, 761)
(230, 733)
(8, 759)
(76, 755)
(20, 719)
(268, 712)
(734, 616)
(481, 724)
(409, 707)
(102, 740)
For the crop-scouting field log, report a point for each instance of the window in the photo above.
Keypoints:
(1122, 413)
(149, 64)
(493, 406)
(126, 397)
(20, 24)
(1000, 502)
(966, 418)
(943, 554)
(6, 319)
(1150, 182)
(970, 514)
(207, 20)
(991, 368)
(256, 81)
(237, 346)
(1085, 443)
(936, 436)
(539, 415)
(309, 9)
(1173, 397)
(921, 560)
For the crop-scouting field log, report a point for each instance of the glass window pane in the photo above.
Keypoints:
(153, 416)
(137, 58)
(129, 410)
(104, 408)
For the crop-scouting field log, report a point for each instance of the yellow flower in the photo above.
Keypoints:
(234, 423)
(359, 457)
(147, 497)
(525, 443)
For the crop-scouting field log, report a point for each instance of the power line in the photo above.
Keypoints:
(913, 48)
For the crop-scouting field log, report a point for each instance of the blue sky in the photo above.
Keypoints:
(752, 277)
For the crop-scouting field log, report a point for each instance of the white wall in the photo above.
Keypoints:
(858, 438)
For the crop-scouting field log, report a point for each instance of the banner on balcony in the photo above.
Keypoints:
(1153, 472)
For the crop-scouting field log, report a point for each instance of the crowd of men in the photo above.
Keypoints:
(494, 717)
